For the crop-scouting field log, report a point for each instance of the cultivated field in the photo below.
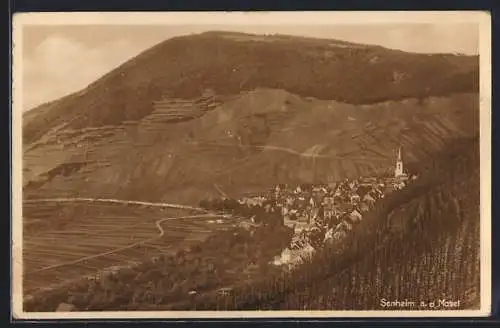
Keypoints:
(84, 238)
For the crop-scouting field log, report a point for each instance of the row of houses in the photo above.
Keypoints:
(321, 214)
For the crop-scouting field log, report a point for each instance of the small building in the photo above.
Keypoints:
(284, 210)
(339, 235)
(328, 212)
(300, 226)
(329, 201)
(355, 198)
(345, 225)
(364, 207)
(355, 216)
(368, 198)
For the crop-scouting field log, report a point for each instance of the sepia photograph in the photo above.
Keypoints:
(251, 164)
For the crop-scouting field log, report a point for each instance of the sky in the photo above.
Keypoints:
(62, 59)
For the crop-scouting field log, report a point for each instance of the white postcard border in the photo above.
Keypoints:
(252, 18)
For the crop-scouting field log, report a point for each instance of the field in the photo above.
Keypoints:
(85, 238)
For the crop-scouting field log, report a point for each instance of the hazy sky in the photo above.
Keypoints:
(58, 60)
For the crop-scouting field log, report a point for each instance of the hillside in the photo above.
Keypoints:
(229, 63)
(227, 113)
(209, 108)
(420, 244)
(275, 135)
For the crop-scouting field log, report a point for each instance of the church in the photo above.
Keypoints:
(398, 171)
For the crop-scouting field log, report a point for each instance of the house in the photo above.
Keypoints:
(297, 242)
(368, 198)
(355, 215)
(339, 234)
(369, 179)
(328, 212)
(355, 198)
(300, 226)
(247, 225)
(289, 223)
(284, 210)
(364, 207)
(329, 235)
(345, 207)
(286, 257)
(306, 252)
(398, 185)
(345, 225)
(329, 201)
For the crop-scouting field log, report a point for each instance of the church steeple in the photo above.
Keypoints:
(398, 171)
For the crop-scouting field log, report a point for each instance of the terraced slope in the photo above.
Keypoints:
(275, 135)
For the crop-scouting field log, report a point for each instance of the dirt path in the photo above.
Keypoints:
(115, 201)
(311, 153)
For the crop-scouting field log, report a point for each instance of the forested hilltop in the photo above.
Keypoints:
(231, 63)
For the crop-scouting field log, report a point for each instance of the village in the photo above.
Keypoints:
(319, 213)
